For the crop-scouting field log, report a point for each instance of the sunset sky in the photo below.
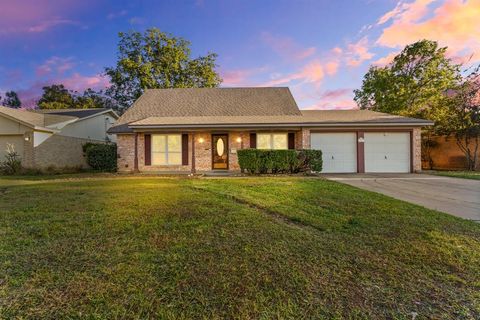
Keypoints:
(320, 49)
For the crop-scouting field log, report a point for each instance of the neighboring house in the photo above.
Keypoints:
(201, 129)
(45, 138)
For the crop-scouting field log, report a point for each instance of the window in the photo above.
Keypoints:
(272, 141)
(166, 149)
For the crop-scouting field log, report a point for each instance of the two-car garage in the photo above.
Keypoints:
(359, 151)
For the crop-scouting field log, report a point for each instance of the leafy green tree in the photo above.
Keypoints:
(414, 84)
(59, 97)
(11, 100)
(156, 59)
(461, 118)
(56, 96)
(92, 99)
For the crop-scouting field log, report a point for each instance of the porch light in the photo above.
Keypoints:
(239, 139)
(27, 138)
(201, 140)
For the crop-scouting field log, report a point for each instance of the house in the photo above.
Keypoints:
(201, 129)
(45, 138)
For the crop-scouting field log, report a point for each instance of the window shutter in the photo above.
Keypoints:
(253, 140)
(148, 149)
(185, 149)
(291, 140)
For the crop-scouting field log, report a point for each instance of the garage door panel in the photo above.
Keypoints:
(387, 151)
(339, 151)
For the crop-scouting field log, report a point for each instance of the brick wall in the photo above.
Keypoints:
(417, 150)
(125, 152)
(60, 151)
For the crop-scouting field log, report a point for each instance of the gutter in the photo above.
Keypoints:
(277, 125)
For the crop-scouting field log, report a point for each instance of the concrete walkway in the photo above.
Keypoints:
(459, 197)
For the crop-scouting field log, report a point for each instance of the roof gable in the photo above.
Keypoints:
(207, 102)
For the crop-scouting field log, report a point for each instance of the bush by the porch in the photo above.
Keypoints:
(101, 156)
(279, 161)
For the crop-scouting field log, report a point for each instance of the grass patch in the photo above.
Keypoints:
(307, 248)
(475, 175)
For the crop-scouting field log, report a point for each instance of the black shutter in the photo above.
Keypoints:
(253, 140)
(185, 149)
(291, 140)
(148, 149)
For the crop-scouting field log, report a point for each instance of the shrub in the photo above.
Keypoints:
(279, 161)
(101, 156)
(12, 163)
(310, 160)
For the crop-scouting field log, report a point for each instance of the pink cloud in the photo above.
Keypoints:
(331, 68)
(455, 23)
(339, 99)
(55, 65)
(358, 52)
(385, 60)
(36, 16)
(287, 47)
(312, 72)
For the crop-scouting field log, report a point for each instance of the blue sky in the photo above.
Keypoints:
(320, 49)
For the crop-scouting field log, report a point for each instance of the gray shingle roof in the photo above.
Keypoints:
(307, 117)
(239, 107)
(34, 119)
(79, 113)
(208, 102)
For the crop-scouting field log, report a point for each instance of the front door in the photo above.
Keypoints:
(220, 151)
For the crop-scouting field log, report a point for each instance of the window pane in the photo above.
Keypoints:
(175, 143)
(174, 158)
(159, 159)
(263, 141)
(158, 143)
(280, 141)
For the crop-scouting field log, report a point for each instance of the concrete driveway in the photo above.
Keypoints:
(459, 197)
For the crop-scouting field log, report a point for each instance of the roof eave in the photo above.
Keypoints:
(279, 125)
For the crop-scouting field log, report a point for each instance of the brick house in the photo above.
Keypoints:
(201, 129)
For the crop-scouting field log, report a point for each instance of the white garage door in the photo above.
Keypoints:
(387, 152)
(16, 140)
(339, 151)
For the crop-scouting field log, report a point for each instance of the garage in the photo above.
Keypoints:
(339, 151)
(387, 151)
(15, 140)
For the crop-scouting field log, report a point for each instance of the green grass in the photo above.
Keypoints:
(173, 248)
(459, 174)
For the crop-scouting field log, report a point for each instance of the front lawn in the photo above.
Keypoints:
(459, 174)
(170, 248)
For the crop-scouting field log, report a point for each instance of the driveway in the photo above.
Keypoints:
(459, 197)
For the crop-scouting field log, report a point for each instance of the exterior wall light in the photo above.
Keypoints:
(239, 139)
(201, 140)
(27, 138)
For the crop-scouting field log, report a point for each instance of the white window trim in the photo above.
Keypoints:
(166, 152)
(271, 139)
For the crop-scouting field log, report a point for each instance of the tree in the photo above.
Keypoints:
(56, 96)
(11, 100)
(153, 60)
(93, 99)
(462, 117)
(414, 84)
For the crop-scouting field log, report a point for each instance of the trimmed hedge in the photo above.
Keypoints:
(101, 156)
(280, 161)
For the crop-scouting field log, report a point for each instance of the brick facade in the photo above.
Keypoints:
(203, 151)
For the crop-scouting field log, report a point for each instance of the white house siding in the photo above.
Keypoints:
(11, 132)
(39, 137)
(92, 128)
